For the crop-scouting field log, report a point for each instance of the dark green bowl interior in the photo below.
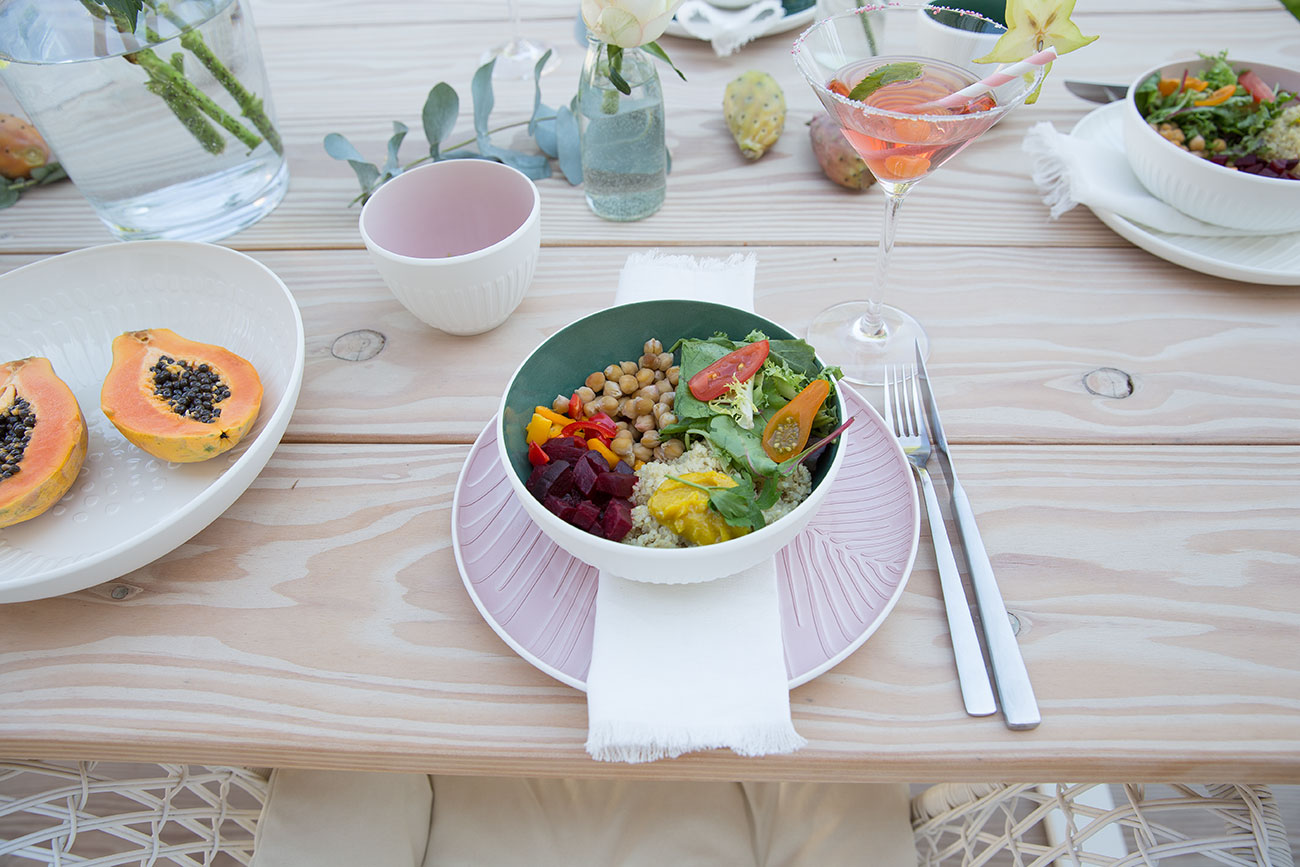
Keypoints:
(562, 363)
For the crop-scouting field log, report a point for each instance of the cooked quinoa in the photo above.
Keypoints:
(649, 533)
(1281, 141)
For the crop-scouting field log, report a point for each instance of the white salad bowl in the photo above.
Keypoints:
(562, 362)
(1199, 188)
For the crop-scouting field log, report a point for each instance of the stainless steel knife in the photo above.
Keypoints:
(1015, 692)
(1096, 92)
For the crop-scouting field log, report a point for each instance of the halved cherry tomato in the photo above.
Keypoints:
(1218, 97)
(536, 456)
(1256, 87)
(575, 406)
(1191, 82)
(736, 366)
(787, 433)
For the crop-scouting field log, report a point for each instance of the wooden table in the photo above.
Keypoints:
(1142, 520)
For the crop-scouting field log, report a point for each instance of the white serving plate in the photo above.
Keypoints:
(128, 508)
(1271, 259)
(784, 24)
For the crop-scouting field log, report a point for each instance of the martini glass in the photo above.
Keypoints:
(517, 56)
(923, 53)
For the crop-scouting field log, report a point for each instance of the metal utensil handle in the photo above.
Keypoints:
(976, 693)
(1009, 673)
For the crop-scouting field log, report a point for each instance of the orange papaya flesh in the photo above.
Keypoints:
(43, 439)
(178, 399)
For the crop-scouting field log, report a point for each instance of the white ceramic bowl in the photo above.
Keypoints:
(612, 335)
(1198, 187)
(456, 241)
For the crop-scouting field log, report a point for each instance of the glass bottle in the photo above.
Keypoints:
(624, 160)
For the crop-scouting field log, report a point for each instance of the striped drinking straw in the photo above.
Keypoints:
(997, 79)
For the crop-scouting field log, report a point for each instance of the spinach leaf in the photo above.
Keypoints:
(797, 355)
(696, 355)
(743, 447)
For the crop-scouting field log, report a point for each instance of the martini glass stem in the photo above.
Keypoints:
(871, 325)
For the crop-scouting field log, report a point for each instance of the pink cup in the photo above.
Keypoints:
(456, 241)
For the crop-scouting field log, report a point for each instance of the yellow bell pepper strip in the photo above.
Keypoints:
(538, 430)
(1219, 97)
(787, 432)
(600, 448)
(554, 416)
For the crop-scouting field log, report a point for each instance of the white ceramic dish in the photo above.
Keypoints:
(127, 508)
(1269, 259)
(779, 25)
(1198, 187)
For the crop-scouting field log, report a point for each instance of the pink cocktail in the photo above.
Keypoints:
(881, 71)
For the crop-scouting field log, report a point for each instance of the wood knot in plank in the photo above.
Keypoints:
(361, 345)
(1108, 382)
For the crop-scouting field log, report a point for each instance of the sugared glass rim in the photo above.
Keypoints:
(1001, 108)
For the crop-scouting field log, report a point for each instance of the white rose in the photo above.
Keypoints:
(628, 23)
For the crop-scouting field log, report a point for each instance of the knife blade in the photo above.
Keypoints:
(1097, 92)
(1010, 676)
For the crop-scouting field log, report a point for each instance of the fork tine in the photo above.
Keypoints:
(904, 401)
(918, 415)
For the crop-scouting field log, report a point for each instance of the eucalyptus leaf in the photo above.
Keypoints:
(441, 108)
(367, 175)
(391, 166)
(9, 196)
(341, 149)
(568, 144)
(535, 166)
(481, 91)
(543, 131)
(537, 93)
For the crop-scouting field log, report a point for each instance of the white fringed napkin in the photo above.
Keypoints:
(727, 30)
(1070, 171)
(683, 667)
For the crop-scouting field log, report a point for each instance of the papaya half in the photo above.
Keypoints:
(43, 439)
(178, 399)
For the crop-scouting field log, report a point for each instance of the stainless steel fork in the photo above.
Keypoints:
(906, 419)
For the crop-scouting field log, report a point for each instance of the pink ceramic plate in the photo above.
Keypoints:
(838, 580)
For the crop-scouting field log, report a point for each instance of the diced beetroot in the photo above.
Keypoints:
(597, 461)
(585, 515)
(1219, 160)
(584, 477)
(1266, 172)
(565, 449)
(623, 468)
(555, 505)
(1247, 161)
(1278, 166)
(616, 484)
(556, 478)
(617, 520)
(534, 476)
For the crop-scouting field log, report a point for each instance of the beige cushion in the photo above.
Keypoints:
(337, 819)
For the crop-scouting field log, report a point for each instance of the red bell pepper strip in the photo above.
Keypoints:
(536, 456)
(575, 406)
(588, 429)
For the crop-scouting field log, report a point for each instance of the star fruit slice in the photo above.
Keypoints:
(1032, 25)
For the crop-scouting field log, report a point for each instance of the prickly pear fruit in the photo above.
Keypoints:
(754, 106)
(839, 161)
(21, 148)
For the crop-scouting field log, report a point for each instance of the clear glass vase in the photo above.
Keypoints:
(624, 160)
(168, 128)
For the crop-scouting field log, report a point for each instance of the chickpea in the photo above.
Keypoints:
(621, 445)
(1177, 136)
(647, 360)
(1218, 145)
(608, 405)
(668, 399)
(648, 391)
(627, 383)
(611, 389)
(596, 381)
(674, 373)
(627, 408)
(644, 423)
(591, 407)
(653, 346)
(645, 376)
(629, 367)
(643, 405)
(664, 360)
(659, 454)
(673, 449)
(613, 372)
(1197, 143)
(650, 439)
(621, 425)
(586, 394)
(642, 453)
(667, 418)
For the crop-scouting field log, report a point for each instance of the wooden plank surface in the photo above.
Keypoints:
(321, 622)
(983, 197)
